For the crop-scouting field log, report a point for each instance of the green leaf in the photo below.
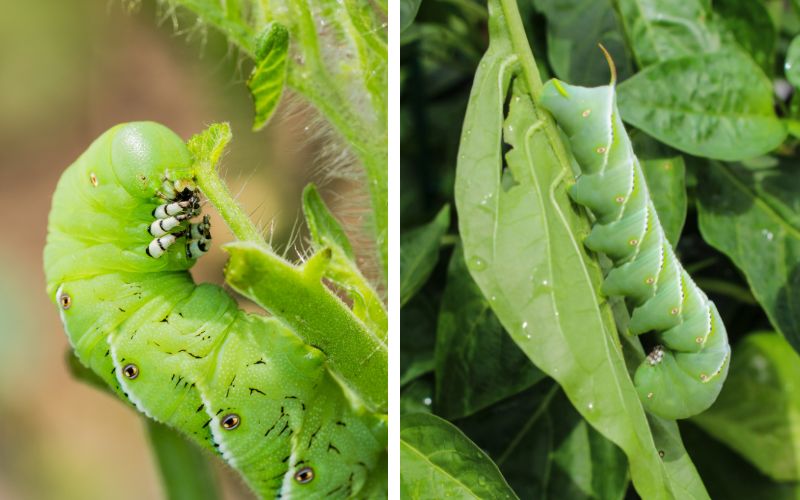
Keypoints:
(758, 410)
(477, 363)
(418, 338)
(574, 28)
(416, 397)
(342, 271)
(419, 252)
(325, 229)
(748, 25)
(660, 30)
(269, 75)
(792, 65)
(185, 470)
(522, 243)
(438, 461)
(754, 218)
(715, 105)
(207, 146)
(546, 450)
(408, 11)
(666, 179)
(298, 296)
(728, 475)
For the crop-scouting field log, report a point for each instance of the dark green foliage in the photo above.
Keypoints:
(695, 86)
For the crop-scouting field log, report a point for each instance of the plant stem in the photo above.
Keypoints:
(519, 42)
(521, 47)
(185, 471)
(218, 194)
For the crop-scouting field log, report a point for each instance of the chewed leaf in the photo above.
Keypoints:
(342, 270)
(267, 79)
(523, 245)
(303, 301)
(207, 146)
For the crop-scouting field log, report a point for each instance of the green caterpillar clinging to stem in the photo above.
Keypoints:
(684, 372)
(119, 247)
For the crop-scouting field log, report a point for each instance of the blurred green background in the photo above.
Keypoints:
(69, 71)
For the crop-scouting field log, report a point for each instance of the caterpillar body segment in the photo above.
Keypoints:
(684, 372)
(240, 385)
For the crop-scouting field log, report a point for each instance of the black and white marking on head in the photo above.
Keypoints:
(197, 241)
(158, 246)
(183, 203)
(160, 227)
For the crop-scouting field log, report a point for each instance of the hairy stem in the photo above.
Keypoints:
(219, 195)
(338, 62)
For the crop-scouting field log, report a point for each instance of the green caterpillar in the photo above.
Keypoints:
(684, 373)
(119, 246)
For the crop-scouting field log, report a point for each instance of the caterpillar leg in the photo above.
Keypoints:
(197, 238)
(158, 246)
(171, 209)
(182, 203)
(160, 227)
(187, 204)
(176, 190)
(181, 197)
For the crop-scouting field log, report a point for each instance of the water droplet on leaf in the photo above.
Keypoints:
(476, 263)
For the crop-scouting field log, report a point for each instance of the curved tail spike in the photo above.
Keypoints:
(611, 66)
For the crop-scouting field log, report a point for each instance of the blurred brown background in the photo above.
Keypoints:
(68, 71)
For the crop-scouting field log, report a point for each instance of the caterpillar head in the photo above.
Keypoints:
(581, 108)
(144, 154)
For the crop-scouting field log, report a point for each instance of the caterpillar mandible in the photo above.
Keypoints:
(121, 239)
(684, 372)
